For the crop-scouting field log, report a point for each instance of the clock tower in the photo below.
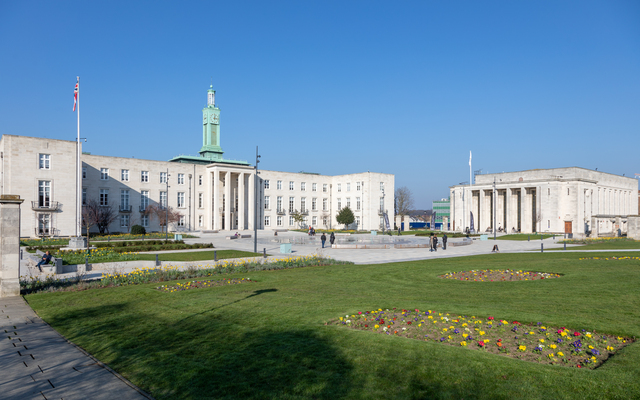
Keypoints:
(211, 149)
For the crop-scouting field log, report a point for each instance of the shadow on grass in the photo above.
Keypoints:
(208, 356)
(255, 293)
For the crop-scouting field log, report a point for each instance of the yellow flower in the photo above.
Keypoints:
(541, 340)
(552, 346)
(463, 343)
(550, 355)
(377, 326)
(522, 348)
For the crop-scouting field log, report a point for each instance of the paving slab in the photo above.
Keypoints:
(38, 363)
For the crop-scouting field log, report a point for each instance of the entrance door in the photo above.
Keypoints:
(567, 227)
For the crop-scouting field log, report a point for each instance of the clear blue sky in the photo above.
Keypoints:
(335, 87)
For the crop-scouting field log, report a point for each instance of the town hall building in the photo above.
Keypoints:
(210, 192)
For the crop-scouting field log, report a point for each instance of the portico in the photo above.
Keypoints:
(232, 207)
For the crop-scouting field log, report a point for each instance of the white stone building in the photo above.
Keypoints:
(43, 172)
(572, 200)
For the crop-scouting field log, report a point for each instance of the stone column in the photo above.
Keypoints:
(252, 199)
(241, 208)
(524, 222)
(10, 245)
(228, 201)
(217, 204)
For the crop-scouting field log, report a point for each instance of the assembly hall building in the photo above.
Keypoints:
(211, 193)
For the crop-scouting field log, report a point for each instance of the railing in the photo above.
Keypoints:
(304, 212)
(45, 206)
(125, 208)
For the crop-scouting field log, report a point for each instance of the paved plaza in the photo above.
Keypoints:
(38, 363)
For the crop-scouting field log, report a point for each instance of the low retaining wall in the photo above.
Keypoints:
(463, 242)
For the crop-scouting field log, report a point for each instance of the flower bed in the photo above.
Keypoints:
(179, 287)
(498, 275)
(528, 342)
(609, 258)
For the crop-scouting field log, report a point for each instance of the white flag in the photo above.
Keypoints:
(469, 158)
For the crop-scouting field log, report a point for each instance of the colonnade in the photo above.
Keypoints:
(232, 198)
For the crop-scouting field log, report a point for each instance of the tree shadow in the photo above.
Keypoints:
(255, 293)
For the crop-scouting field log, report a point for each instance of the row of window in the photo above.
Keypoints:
(292, 222)
(144, 176)
(125, 220)
(124, 197)
(303, 203)
(314, 186)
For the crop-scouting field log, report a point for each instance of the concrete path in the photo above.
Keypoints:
(38, 363)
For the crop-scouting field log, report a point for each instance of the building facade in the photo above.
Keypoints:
(572, 200)
(209, 191)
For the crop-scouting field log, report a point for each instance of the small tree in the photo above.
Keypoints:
(161, 213)
(297, 216)
(403, 201)
(90, 216)
(346, 217)
(106, 216)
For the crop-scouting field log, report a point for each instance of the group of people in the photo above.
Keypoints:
(312, 231)
(433, 242)
(323, 238)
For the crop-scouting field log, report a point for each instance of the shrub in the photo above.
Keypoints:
(138, 230)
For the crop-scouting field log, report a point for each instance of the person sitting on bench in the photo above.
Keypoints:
(45, 260)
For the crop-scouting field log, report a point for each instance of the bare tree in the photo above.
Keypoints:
(403, 201)
(106, 215)
(161, 213)
(90, 215)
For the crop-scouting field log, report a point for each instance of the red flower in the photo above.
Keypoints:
(576, 334)
(490, 318)
(579, 366)
(409, 322)
(381, 322)
(480, 343)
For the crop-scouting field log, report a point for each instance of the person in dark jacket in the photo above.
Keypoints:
(323, 238)
(435, 243)
(45, 260)
(444, 241)
(332, 238)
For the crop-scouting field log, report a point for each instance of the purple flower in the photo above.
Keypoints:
(442, 339)
(456, 331)
(595, 352)
(559, 340)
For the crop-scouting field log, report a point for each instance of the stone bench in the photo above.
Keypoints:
(209, 231)
(413, 246)
(232, 237)
(464, 242)
(245, 236)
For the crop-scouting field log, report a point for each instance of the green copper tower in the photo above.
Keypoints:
(211, 149)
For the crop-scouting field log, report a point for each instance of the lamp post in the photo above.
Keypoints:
(256, 205)
(494, 208)
(382, 210)
(189, 202)
(166, 205)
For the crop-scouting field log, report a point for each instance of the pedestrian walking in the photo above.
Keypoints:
(431, 242)
(323, 238)
(332, 238)
(444, 241)
(435, 243)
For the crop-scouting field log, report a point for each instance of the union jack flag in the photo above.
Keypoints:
(75, 95)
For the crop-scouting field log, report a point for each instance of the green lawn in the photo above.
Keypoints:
(521, 236)
(268, 340)
(198, 255)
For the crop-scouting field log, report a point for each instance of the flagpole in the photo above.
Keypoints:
(78, 173)
(471, 197)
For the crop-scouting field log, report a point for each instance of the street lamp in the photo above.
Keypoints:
(166, 205)
(256, 206)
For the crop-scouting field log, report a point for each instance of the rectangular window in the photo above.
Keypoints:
(314, 221)
(84, 196)
(339, 204)
(124, 220)
(180, 179)
(339, 187)
(358, 220)
(349, 202)
(290, 185)
(314, 204)
(267, 220)
(124, 200)
(44, 224)
(266, 184)
(348, 187)
(324, 188)
(324, 221)
(358, 203)
(45, 160)
(291, 221)
(163, 199)
(104, 174)
(303, 204)
(144, 176)
(279, 185)
(200, 200)
(314, 187)
(303, 186)
(104, 197)
(267, 203)
(279, 220)
(324, 204)
(182, 220)
(381, 185)
(124, 175)
(144, 200)
(292, 204)
(279, 203)
(144, 220)
(200, 220)
(180, 199)
(163, 177)
(382, 204)
(199, 180)
(358, 186)
(84, 172)
(44, 194)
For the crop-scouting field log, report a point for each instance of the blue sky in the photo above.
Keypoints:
(335, 87)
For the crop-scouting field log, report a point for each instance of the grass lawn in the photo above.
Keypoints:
(521, 236)
(267, 340)
(197, 255)
(612, 245)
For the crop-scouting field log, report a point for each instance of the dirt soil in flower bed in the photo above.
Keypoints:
(581, 348)
(491, 275)
(179, 287)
